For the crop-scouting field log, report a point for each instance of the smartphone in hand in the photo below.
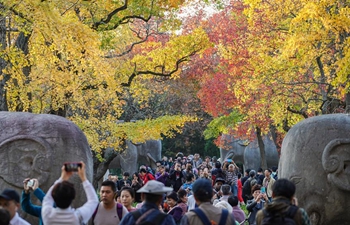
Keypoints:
(30, 183)
(72, 166)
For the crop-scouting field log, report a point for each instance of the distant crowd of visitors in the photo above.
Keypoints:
(186, 190)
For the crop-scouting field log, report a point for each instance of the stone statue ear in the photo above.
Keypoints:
(336, 163)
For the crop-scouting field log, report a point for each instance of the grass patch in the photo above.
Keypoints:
(244, 208)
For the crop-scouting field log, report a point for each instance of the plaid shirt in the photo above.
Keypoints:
(231, 177)
(306, 220)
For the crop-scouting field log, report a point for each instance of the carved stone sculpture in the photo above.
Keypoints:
(315, 155)
(146, 153)
(36, 146)
(248, 153)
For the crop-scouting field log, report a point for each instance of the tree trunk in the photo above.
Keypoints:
(347, 103)
(3, 101)
(261, 145)
(100, 168)
(276, 137)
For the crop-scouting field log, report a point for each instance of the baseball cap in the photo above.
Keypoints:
(154, 187)
(220, 179)
(10, 194)
(202, 186)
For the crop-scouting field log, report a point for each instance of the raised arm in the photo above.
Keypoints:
(40, 194)
(26, 204)
(48, 202)
(89, 207)
(28, 207)
(37, 191)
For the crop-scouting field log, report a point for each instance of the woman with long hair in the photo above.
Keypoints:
(136, 184)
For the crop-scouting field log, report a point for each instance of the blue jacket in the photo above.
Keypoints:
(28, 207)
(128, 219)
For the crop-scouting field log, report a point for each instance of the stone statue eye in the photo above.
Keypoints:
(26, 156)
(315, 218)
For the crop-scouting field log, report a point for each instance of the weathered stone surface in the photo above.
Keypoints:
(146, 153)
(315, 155)
(36, 146)
(248, 153)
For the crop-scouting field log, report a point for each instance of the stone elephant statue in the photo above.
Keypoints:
(248, 154)
(36, 146)
(315, 155)
(145, 153)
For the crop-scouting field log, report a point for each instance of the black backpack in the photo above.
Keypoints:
(277, 218)
(247, 188)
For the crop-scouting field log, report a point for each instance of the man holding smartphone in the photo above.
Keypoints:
(176, 175)
(62, 193)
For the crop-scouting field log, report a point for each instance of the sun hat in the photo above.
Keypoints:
(154, 187)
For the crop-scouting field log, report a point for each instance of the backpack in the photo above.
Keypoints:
(287, 218)
(275, 176)
(205, 219)
(247, 188)
(253, 182)
(139, 218)
(119, 208)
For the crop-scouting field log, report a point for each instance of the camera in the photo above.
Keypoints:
(30, 183)
(72, 166)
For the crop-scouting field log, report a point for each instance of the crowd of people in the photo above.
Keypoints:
(186, 191)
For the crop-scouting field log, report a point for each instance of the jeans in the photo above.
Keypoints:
(234, 189)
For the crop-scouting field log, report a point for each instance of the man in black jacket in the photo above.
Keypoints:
(176, 176)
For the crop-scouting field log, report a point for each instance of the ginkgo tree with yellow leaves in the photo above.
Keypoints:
(78, 59)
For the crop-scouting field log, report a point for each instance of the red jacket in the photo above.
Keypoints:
(239, 192)
(146, 178)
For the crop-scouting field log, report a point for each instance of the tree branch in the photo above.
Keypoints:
(132, 45)
(301, 112)
(110, 15)
(161, 74)
(70, 7)
(12, 8)
(126, 19)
